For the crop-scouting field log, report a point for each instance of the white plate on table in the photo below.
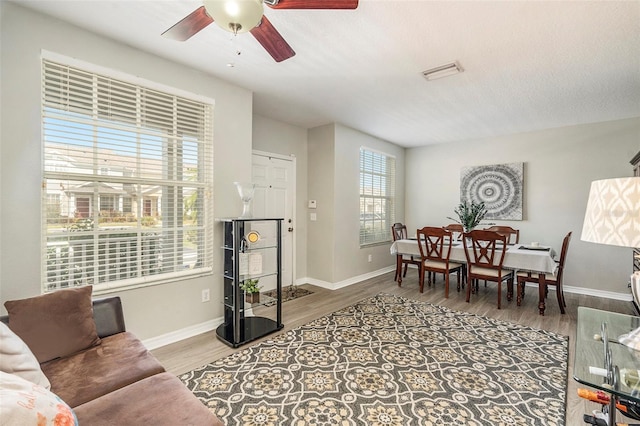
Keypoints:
(539, 248)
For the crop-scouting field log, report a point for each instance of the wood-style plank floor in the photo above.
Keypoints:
(194, 352)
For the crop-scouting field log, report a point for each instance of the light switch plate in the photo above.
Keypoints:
(312, 216)
(312, 204)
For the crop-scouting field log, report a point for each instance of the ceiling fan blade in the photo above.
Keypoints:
(189, 26)
(312, 4)
(272, 41)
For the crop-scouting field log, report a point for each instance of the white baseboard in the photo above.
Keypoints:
(194, 330)
(598, 293)
(344, 283)
(593, 292)
(183, 333)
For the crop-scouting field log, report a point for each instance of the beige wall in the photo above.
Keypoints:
(350, 260)
(335, 256)
(150, 311)
(321, 177)
(559, 167)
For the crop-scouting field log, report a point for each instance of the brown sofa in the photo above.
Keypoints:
(117, 381)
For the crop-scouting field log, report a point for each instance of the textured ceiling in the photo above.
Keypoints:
(529, 65)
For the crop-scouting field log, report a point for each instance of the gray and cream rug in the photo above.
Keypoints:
(388, 360)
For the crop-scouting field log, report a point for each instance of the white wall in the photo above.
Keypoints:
(334, 175)
(321, 171)
(279, 138)
(559, 167)
(350, 260)
(150, 311)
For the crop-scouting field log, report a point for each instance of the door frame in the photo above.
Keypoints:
(294, 213)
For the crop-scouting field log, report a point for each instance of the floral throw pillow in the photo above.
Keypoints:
(25, 403)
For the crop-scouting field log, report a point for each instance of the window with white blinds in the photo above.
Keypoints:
(377, 196)
(127, 191)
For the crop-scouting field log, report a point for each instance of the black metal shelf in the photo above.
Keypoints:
(251, 328)
(240, 326)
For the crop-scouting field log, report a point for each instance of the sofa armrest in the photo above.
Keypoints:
(107, 313)
(108, 316)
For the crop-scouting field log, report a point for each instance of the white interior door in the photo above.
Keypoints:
(274, 177)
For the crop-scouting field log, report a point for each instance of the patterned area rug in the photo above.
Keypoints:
(388, 360)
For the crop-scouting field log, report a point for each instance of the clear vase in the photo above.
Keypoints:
(246, 191)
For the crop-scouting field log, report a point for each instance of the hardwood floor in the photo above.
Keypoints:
(191, 353)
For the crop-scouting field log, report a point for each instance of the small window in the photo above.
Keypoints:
(126, 205)
(377, 196)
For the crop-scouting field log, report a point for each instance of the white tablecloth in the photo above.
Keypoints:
(516, 257)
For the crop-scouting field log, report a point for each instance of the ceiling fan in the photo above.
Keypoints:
(240, 16)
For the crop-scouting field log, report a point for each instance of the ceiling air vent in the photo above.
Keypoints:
(442, 71)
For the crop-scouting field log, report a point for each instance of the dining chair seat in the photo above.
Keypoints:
(494, 273)
(535, 275)
(441, 265)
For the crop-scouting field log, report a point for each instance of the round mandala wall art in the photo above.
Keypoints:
(498, 185)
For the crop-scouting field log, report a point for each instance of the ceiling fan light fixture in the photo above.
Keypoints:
(443, 71)
(236, 16)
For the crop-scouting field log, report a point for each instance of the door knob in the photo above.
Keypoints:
(290, 229)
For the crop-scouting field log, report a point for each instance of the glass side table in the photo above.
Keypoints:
(600, 359)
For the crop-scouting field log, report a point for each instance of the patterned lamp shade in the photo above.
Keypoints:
(613, 212)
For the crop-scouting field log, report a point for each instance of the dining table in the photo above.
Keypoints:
(519, 257)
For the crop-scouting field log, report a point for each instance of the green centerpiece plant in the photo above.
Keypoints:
(469, 214)
(251, 290)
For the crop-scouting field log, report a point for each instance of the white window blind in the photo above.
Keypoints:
(127, 192)
(377, 196)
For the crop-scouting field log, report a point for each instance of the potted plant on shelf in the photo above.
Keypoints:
(251, 290)
(469, 214)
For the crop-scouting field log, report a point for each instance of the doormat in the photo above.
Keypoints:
(288, 293)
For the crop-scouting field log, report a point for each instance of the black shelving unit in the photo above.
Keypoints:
(243, 321)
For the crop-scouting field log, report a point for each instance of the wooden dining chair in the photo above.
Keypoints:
(435, 250)
(550, 279)
(513, 235)
(485, 252)
(456, 229)
(399, 232)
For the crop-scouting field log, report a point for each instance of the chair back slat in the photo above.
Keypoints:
(456, 230)
(399, 231)
(563, 257)
(434, 243)
(486, 249)
(513, 235)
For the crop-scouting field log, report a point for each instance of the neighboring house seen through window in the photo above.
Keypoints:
(127, 182)
(377, 196)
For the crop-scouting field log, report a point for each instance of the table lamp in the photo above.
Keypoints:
(613, 218)
(613, 212)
